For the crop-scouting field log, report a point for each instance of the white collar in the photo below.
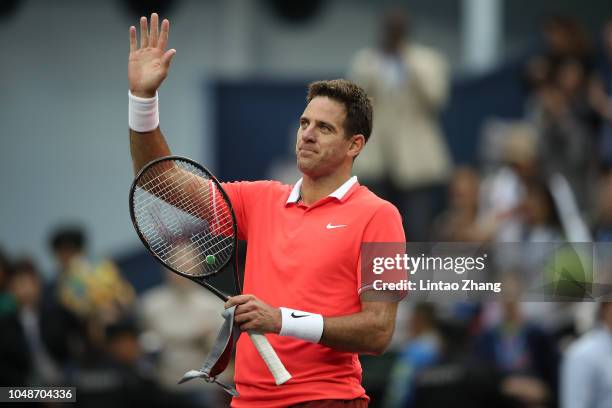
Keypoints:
(339, 193)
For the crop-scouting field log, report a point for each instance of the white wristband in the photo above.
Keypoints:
(303, 325)
(143, 113)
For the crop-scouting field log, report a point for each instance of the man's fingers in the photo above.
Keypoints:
(144, 33)
(167, 59)
(245, 308)
(163, 36)
(133, 44)
(154, 30)
(245, 317)
(246, 327)
(234, 300)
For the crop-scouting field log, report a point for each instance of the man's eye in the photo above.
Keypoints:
(325, 128)
(303, 123)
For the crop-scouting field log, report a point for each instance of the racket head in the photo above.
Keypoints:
(183, 217)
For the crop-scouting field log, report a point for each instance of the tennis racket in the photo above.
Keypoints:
(185, 219)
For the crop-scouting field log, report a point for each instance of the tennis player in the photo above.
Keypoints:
(302, 279)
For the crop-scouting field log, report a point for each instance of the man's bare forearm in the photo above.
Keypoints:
(147, 146)
(368, 331)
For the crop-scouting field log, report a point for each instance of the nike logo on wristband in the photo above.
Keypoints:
(297, 316)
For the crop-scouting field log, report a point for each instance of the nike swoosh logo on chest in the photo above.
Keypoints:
(330, 226)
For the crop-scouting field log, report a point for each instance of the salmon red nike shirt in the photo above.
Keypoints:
(305, 258)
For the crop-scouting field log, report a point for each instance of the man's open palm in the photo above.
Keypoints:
(149, 64)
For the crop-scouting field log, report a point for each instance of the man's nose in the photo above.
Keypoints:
(308, 134)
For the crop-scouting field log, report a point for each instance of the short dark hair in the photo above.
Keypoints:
(25, 266)
(126, 325)
(355, 100)
(71, 237)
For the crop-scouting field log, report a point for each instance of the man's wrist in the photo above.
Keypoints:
(143, 113)
(278, 321)
(303, 325)
(143, 94)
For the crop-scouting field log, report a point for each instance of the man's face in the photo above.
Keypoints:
(26, 289)
(64, 255)
(322, 145)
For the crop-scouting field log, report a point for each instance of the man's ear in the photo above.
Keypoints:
(357, 145)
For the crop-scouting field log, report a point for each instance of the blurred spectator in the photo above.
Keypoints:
(67, 243)
(524, 355)
(602, 228)
(34, 341)
(121, 376)
(459, 222)
(586, 376)
(7, 302)
(502, 192)
(564, 38)
(567, 127)
(539, 235)
(137, 374)
(407, 157)
(95, 292)
(421, 351)
(433, 370)
(185, 341)
(560, 106)
(601, 96)
(540, 215)
(123, 346)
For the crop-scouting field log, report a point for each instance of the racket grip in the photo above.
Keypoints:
(275, 365)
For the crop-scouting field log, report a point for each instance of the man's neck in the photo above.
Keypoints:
(314, 189)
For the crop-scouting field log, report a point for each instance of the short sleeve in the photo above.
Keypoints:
(385, 225)
(383, 237)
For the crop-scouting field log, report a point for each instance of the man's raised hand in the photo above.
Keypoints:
(149, 64)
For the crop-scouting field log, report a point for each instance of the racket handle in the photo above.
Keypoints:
(275, 365)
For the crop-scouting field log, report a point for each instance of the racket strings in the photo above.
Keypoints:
(169, 193)
(195, 244)
(179, 258)
(223, 227)
(187, 205)
(184, 218)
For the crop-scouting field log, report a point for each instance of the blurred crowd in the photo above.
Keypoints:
(543, 177)
(546, 178)
(88, 329)
(542, 181)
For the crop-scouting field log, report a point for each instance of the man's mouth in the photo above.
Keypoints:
(306, 150)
